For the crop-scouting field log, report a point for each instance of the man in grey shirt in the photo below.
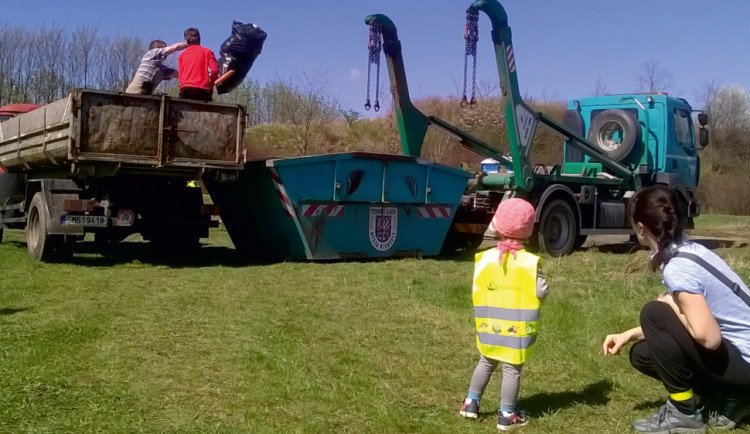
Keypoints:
(152, 70)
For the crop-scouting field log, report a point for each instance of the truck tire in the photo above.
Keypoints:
(615, 132)
(39, 243)
(557, 233)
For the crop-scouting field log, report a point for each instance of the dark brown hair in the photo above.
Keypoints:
(157, 43)
(192, 36)
(657, 209)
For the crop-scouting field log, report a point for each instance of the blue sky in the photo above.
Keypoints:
(561, 47)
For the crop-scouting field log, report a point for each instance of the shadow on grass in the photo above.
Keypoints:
(712, 244)
(652, 405)
(11, 311)
(466, 255)
(595, 394)
(92, 255)
(616, 248)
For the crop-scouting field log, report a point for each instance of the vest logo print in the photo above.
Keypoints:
(383, 227)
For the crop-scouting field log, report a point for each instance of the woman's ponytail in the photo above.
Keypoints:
(657, 209)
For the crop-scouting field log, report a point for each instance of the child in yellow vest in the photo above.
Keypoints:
(507, 288)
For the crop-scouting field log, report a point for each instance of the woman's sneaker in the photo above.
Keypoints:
(670, 420)
(470, 408)
(731, 413)
(516, 419)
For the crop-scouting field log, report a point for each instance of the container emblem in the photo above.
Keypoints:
(383, 227)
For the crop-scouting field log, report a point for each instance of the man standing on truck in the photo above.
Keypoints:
(152, 70)
(197, 68)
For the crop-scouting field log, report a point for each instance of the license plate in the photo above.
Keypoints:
(85, 220)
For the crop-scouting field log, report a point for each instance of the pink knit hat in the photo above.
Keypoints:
(514, 218)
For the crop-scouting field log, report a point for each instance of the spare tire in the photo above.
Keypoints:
(615, 132)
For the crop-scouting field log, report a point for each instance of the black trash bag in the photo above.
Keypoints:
(238, 53)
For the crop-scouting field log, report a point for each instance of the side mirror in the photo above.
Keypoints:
(703, 119)
(703, 137)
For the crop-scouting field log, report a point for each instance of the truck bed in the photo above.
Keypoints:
(138, 132)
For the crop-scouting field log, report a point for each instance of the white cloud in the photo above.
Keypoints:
(354, 74)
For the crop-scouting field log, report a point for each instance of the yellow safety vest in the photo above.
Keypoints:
(506, 307)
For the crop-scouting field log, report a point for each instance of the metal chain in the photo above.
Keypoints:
(374, 45)
(471, 35)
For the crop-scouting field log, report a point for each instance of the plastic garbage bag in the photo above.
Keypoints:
(238, 52)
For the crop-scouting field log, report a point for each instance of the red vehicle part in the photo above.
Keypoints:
(11, 110)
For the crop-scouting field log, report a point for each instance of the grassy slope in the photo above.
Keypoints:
(121, 345)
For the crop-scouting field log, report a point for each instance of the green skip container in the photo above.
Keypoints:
(339, 206)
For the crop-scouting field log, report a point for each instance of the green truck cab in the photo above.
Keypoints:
(653, 133)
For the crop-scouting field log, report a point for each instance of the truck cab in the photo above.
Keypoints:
(653, 134)
(11, 110)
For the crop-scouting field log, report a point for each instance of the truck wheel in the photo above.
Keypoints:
(39, 243)
(557, 228)
(615, 132)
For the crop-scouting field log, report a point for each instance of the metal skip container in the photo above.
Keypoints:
(339, 206)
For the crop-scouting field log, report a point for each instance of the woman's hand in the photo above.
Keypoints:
(613, 343)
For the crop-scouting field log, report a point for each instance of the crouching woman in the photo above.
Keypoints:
(695, 338)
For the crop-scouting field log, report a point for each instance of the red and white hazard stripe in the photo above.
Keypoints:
(327, 210)
(511, 60)
(282, 193)
(469, 228)
(434, 211)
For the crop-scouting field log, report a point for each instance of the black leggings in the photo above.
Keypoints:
(671, 355)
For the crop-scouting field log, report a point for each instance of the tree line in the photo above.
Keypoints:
(300, 117)
(42, 65)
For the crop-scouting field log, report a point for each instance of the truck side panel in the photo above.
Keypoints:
(37, 138)
(196, 129)
(138, 130)
(119, 125)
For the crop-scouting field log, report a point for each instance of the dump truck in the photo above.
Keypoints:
(612, 145)
(115, 164)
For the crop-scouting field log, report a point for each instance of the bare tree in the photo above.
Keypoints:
(706, 95)
(653, 77)
(83, 46)
(48, 77)
(124, 55)
(730, 122)
(600, 88)
(304, 109)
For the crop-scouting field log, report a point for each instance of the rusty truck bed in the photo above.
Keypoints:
(135, 132)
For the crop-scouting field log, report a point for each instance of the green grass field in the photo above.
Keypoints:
(118, 344)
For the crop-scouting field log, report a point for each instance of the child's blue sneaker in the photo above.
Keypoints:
(514, 420)
(470, 408)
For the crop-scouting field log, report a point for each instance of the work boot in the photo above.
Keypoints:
(670, 420)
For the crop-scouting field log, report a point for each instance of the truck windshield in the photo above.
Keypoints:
(682, 130)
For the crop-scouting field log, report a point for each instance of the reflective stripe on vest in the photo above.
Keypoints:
(506, 308)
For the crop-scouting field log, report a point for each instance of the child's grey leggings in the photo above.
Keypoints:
(509, 386)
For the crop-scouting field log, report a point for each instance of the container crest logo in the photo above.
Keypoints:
(383, 223)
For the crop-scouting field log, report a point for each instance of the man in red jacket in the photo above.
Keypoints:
(197, 68)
